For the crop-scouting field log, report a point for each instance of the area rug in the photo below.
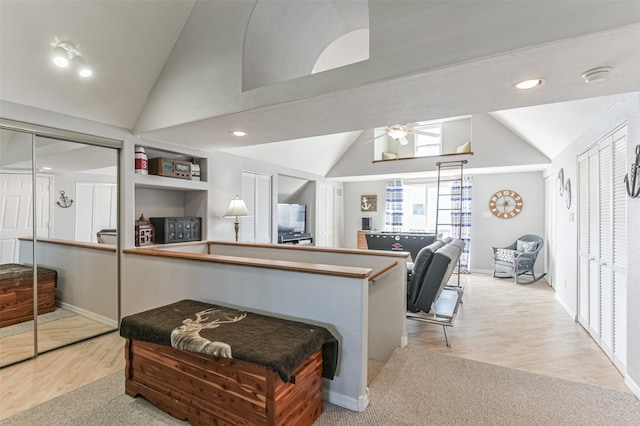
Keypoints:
(415, 387)
(23, 327)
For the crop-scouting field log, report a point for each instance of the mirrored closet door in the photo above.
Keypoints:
(60, 233)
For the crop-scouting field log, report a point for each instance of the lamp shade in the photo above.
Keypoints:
(237, 208)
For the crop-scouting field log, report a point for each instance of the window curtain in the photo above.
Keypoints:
(461, 220)
(393, 205)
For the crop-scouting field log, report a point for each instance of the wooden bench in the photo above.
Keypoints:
(16, 293)
(207, 389)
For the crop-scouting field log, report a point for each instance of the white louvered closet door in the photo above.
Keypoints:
(620, 250)
(605, 249)
(594, 245)
(602, 245)
(583, 240)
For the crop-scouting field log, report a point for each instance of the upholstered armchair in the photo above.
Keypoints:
(518, 258)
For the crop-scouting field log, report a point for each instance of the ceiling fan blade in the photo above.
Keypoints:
(373, 139)
(423, 132)
(403, 141)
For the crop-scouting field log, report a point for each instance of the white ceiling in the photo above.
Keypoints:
(136, 46)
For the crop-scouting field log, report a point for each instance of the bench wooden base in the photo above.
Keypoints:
(16, 295)
(208, 390)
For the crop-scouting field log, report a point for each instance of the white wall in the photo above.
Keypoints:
(486, 232)
(489, 231)
(353, 191)
(87, 280)
(627, 110)
(64, 219)
(493, 146)
(225, 183)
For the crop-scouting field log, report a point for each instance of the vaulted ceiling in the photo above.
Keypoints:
(174, 70)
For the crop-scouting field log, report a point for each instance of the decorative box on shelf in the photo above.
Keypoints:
(144, 232)
(177, 229)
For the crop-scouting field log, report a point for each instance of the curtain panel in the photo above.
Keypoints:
(393, 206)
(461, 220)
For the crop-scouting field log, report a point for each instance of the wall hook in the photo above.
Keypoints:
(633, 183)
(66, 202)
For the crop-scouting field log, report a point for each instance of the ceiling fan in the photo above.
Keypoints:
(399, 132)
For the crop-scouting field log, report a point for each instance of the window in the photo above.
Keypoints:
(428, 144)
(420, 203)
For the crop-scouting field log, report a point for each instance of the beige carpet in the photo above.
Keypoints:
(415, 387)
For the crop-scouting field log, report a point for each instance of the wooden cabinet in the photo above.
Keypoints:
(362, 240)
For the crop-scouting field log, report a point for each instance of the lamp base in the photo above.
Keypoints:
(237, 228)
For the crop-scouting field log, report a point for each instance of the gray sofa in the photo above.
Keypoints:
(429, 298)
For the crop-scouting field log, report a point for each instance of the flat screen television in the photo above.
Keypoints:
(292, 218)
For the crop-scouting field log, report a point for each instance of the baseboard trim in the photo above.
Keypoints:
(566, 307)
(353, 404)
(633, 386)
(481, 271)
(404, 340)
(92, 315)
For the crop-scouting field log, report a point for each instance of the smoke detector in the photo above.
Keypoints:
(597, 74)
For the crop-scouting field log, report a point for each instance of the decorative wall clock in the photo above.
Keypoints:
(505, 204)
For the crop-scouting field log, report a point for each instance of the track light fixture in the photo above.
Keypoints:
(65, 53)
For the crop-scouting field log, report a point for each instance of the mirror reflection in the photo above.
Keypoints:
(75, 208)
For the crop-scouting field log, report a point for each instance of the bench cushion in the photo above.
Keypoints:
(279, 344)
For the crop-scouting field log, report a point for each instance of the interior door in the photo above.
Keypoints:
(583, 240)
(325, 216)
(602, 244)
(605, 242)
(550, 229)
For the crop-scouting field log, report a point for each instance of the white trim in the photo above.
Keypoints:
(404, 341)
(633, 386)
(566, 307)
(104, 320)
(481, 271)
(347, 402)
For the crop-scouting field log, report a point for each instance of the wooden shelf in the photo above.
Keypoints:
(428, 156)
(169, 183)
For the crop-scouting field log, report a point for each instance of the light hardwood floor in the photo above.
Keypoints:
(517, 326)
(51, 335)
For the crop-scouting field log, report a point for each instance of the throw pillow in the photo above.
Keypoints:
(389, 156)
(505, 255)
(526, 246)
(465, 147)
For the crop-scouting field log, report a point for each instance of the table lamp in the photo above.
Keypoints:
(236, 209)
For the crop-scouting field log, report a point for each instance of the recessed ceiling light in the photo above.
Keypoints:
(238, 133)
(529, 84)
(597, 74)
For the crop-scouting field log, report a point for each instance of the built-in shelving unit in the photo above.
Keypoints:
(164, 196)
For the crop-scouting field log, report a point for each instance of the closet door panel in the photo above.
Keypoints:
(605, 239)
(619, 250)
(583, 240)
(594, 246)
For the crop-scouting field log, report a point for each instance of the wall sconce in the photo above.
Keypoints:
(237, 208)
